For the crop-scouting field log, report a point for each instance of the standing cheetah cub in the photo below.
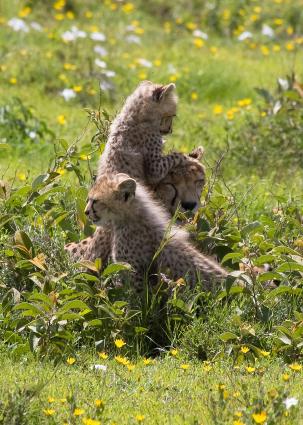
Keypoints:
(140, 226)
(135, 141)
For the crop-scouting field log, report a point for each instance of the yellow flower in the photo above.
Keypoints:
(244, 350)
(128, 7)
(264, 50)
(254, 18)
(147, 361)
(295, 366)
(184, 366)
(62, 171)
(139, 31)
(103, 355)
(25, 12)
(250, 369)
(77, 89)
(61, 119)
(49, 412)
(191, 26)
(63, 77)
(238, 414)
(226, 14)
(62, 400)
(198, 42)
(122, 360)
(290, 47)
(89, 421)
(119, 343)
(13, 80)
(130, 367)
(99, 403)
(167, 27)
(70, 15)
(84, 157)
(173, 352)
(69, 66)
(21, 177)
(51, 399)
(244, 102)
(194, 95)
(59, 4)
(259, 418)
(238, 422)
(142, 75)
(140, 418)
(230, 115)
(59, 16)
(257, 9)
(285, 377)
(217, 110)
(157, 62)
(70, 360)
(265, 353)
(278, 21)
(88, 14)
(236, 394)
(276, 48)
(78, 411)
(213, 50)
(207, 367)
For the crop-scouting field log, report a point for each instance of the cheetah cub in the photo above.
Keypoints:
(140, 226)
(135, 140)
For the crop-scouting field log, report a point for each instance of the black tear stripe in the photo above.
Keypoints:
(176, 194)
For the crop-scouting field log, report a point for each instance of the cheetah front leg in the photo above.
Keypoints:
(159, 166)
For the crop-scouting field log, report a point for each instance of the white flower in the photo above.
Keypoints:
(130, 28)
(289, 402)
(106, 86)
(99, 367)
(36, 26)
(73, 34)
(68, 94)
(109, 73)
(133, 39)
(97, 36)
(200, 34)
(268, 31)
(245, 35)
(145, 62)
(100, 50)
(283, 83)
(100, 63)
(32, 134)
(171, 68)
(18, 25)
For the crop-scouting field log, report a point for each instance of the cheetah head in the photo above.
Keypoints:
(153, 103)
(183, 186)
(110, 198)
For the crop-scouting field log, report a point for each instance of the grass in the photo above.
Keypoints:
(252, 215)
(161, 392)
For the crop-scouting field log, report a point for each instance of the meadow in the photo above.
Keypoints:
(75, 350)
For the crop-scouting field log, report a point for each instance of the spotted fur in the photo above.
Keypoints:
(140, 226)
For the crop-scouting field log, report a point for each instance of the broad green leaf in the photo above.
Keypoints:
(268, 276)
(232, 256)
(115, 268)
(228, 336)
(290, 267)
(88, 265)
(75, 304)
(279, 291)
(263, 259)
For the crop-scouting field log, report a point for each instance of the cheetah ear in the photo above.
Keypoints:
(197, 153)
(126, 186)
(160, 92)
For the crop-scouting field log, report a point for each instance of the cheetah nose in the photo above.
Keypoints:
(188, 206)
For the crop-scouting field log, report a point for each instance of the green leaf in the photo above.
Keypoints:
(75, 304)
(115, 268)
(251, 228)
(94, 322)
(234, 290)
(232, 256)
(285, 340)
(279, 291)
(228, 336)
(88, 265)
(263, 259)
(290, 267)
(268, 276)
